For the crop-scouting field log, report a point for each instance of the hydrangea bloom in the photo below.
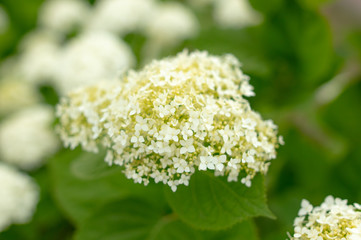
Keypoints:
(91, 57)
(15, 95)
(121, 16)
(26, 137)
(235, 14)
(172, 22)
(173, 117)
(63, 16)
(18, 197)
(39, 57)
(334, 219)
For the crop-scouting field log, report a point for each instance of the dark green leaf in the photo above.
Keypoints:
(79, 197)
(132, 219)
(213, 203)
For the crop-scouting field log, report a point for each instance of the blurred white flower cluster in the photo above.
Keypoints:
(334, 219)
(96, 51)
(15, 95)
(18, 197)
(26, 137)
(230, 13)
(4, 21)
(175, 116)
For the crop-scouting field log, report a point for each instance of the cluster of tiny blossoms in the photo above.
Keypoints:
(334, 219)
(19, 196)
(173, 117)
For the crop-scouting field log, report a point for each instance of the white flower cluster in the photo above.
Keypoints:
(26, 137)
(230, 13)
(18, 197)
(334, 219)
(97, 50)
(170, 24)
(63, 16)
(39, 56)
(171, 118)
(15, 95)
(235, 14)
(91, 57)
(121, 16)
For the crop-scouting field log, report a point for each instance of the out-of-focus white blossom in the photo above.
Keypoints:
(18, 197)
(171, 118)
(39, 57)
(235, 14)
(91, 57)
(62, 16)
(121, 16)
(26, 137)
(15, 95)
(4, 21)
(171, 23)
(334, 219)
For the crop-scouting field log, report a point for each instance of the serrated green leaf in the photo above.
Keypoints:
(211, 202)
(133, 219)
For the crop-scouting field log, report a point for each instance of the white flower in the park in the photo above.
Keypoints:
(26, 137)
(63, 16)
(91, 57)
(334, 219)
(171, 118)
(18, 197)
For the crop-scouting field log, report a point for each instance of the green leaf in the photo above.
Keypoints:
(245, 230)
(211, 202)
(79, 197)
(133, 219)
(92, 166)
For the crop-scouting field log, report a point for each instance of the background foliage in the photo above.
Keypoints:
(290, 57)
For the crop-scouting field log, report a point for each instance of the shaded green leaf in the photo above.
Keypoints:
(133, 219)
(213, 203)
(79, 197)
(92, 166)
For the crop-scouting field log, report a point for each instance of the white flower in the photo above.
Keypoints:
(15, 95)
(121, 16)
(63, 16)
(18, 197)
(205, 122)
(187, 146)
(39, 57)
(334, 219)
(235, 14)
(170, 24)
(91, 57)
(306, 208)
(26, 138)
